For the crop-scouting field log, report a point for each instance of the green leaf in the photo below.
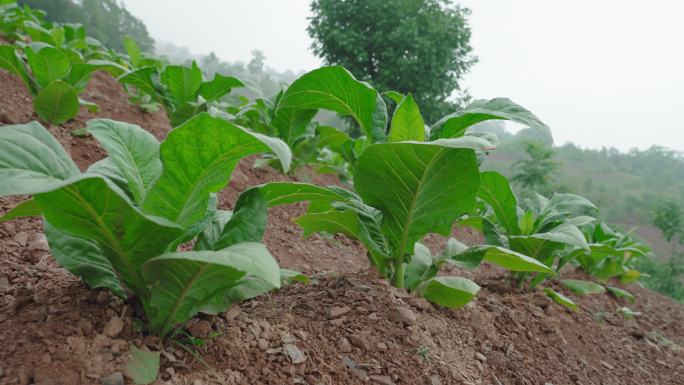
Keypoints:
(182, 113)
(108, 169)
(542, 245)
(133, 51)
(57, 103)
(31, 160)
(218, 87)
(395, 96)
(283, 193)
(247, 223)
(451, 292)
(334, 88)
(182, 282)
(514, 261)
(630, 276)
(11, 62)
(141, 79)
(182, 191)
(419, 188)
(83, 258)
(420, 267)
(134, 151)
(94, 208)
(621, 293)
(48, 64)
(90, 106)
(291, 123)
(332, 138)
(182, 82)
(560, 299)
(80, 72)
(289, 277)
(580, 287)
(496, 191)
(407, 123)
(455, 125)
(143, 366)
(27, 208)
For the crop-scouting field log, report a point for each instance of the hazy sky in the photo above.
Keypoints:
(599, 72)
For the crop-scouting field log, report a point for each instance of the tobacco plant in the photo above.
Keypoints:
(546, 230)
(403, 191)
(119, 224)
(180, 89)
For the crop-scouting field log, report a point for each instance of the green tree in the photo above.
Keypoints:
(417, 46)
(667, 217)
(106, 20)
(536, 173)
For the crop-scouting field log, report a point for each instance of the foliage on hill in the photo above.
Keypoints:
(105, 20)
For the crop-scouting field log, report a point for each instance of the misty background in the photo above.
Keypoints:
(599, 73)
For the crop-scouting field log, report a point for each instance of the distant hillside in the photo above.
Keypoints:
(625, 185)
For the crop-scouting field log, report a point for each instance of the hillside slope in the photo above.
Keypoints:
(346, 327)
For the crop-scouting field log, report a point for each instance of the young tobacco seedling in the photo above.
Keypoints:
(119, 224)
(404, 191)
(544, 231)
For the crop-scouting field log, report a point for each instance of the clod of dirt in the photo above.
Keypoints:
(113, 327)
(402, 315)
(344, 345)
(339, 311)
(294, 354)
(382, 380)
(200, 329)
(232, 313)
(115, 378)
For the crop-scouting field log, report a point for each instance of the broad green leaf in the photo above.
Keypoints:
(143, 366)
(11, 62)
(621, 293)
(182, 282)
(31, 160)
(182, 113)
(48, 64)
(452, 292)
(90, 106)
(108, 169)
(94, 208)
(57, 103)
(560, 299)
(496, 192)
(420, 267)
(291, 123)
(27, 208)
(407, 123)
(456, 124)
(182, 82)
(334, 88)
(141, 79)
(80, 72)
(514, 261)
(134, 151)
(133, 51)
(218, 87)
(283, 193)
(84, 258)
(199, 157)
(541, 245)
(247, 223)
(212, 232)
(419, 188)
(580, 287)
(332, 138)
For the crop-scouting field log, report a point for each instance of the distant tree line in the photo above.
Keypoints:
(106, 20)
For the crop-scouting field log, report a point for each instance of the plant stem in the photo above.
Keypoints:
(399, 269)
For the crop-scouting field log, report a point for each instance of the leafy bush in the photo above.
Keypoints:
(119, 225)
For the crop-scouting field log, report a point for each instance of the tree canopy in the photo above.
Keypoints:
(417, 46)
